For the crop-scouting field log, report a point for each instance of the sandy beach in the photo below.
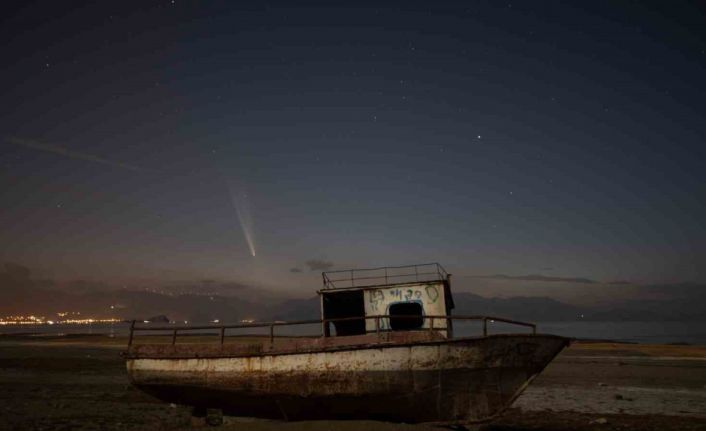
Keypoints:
(79, 383)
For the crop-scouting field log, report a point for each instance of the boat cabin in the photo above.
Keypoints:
(401, 298)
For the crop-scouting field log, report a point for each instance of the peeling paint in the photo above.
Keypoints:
(466, 380)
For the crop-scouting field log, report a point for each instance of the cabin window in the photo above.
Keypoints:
(410, 314)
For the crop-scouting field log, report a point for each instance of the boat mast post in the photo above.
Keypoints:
(325, 331)
(449, 322)
(132, 329)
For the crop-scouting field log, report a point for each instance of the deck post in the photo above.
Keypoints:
(431, 323)
(377, 325)
(223, 334)
(326, 328)
(174, 334)
(272, 335)
(485, 326)
(325, 331)
(132, 329)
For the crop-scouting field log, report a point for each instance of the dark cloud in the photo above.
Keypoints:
(295, 270)
(318, 265)
(537, 277)
(16, 272)
(619, 282)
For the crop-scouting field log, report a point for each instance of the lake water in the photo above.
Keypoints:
(638, 332)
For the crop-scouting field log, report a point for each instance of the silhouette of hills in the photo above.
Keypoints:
(211, 300)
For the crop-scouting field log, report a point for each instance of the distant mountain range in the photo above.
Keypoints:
(539, 309)
(20, 294)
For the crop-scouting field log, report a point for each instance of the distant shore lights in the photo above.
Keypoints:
(41, 320)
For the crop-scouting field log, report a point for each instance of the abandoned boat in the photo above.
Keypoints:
(386, 351)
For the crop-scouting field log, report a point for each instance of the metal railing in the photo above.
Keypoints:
(367, 277)
(324, 322)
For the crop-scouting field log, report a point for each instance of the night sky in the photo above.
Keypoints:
(235, 140)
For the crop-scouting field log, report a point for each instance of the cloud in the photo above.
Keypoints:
(295, 270)
(318, 265)
(537, 277)
(619, 282)
(74, 154)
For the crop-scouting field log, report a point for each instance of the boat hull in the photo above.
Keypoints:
(462, 380)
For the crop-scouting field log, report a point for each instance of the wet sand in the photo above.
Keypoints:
(79, 383)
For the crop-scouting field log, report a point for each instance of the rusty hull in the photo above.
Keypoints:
(409, 377)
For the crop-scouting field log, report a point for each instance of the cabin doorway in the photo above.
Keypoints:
(341, 305)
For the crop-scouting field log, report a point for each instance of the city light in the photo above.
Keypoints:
(42, 320)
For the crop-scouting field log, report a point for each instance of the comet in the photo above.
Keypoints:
(241, 204)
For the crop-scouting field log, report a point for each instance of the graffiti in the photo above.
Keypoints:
(432, 293)
(379, 300)
(376, 297)
(384, 324)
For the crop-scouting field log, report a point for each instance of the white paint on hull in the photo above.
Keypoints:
(384, 359)
(419, 357)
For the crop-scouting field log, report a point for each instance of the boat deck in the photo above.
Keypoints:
(193, 346)
(296, 345)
